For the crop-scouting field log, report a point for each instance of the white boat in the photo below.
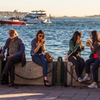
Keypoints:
(36, 18)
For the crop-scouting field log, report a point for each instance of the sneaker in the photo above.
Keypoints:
(93, 86)
(86, 78)
(80, 79)
(76, 78)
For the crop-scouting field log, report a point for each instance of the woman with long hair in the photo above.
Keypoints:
(95, 49)
(75, 48)
(37, 49)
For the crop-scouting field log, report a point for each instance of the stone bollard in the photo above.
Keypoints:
(59, 73)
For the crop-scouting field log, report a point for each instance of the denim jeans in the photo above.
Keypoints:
(42, 61)
(95, 67)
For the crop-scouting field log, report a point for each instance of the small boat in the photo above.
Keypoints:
(36, 18)
(12, 21)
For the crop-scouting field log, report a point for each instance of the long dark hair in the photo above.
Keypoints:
(95, 36)
(74, 38)
(40, 32)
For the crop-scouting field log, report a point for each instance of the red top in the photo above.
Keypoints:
(95, 55)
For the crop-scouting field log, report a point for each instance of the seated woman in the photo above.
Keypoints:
(37, 49)
(95, 48)
(75, 48)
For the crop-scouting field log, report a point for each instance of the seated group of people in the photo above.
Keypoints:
(16, 53)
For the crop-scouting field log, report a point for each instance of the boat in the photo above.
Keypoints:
(12, 21)
(36, 17)
(51, 17)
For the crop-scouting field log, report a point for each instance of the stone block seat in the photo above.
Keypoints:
(71, 81)
(31, 74)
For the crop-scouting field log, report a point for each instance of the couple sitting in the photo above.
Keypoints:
(75, 49)
(16, 53)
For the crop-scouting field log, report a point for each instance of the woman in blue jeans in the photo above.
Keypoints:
(37, 49)
(95, 48)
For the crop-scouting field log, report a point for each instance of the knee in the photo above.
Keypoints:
(10, 59)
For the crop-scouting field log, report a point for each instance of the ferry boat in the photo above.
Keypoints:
(12, 21)
(36, 18)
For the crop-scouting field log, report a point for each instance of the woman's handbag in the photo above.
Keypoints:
(49, 57)
(66, 57)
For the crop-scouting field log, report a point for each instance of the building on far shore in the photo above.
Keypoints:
(12, 14)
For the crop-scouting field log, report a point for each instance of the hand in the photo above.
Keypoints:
(10, 56)
(1, 55)
(80, 41)
(88, 44)
(43, 41)
(83, 48)
(89, 41)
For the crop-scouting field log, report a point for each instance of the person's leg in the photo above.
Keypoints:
(41, 60)
(87, 65)
(45, 65)
(10, 62)
(12, 73)
(94, 70)
(87, 68)
(74, 60)
(82, 64)
(37, 59)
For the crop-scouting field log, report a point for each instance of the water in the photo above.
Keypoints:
(57, 34)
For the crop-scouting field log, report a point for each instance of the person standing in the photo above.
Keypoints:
(75, 48)
(95, 49)
(15, 54)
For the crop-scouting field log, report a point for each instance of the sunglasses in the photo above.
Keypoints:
(41, 36)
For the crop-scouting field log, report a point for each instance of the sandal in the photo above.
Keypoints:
(46, 81)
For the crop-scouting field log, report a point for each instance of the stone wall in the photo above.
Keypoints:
(31, 74)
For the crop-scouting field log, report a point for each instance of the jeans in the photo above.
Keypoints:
(79, 63)
(95, 67)
(42, 61)
(10, 66)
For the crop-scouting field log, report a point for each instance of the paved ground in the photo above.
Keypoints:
(48, 93)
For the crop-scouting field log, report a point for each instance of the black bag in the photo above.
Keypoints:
(91, 55)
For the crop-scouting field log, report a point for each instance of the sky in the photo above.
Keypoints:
(54, 7)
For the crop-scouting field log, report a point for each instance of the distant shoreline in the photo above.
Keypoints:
(23, 14)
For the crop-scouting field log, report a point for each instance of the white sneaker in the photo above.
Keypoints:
(80, 79)
(93, 86)
(86, 78)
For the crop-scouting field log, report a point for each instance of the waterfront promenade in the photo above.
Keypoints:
(48, 93)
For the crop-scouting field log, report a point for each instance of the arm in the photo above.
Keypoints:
(43, 47)
(34, 48)
(72, 47)
(37, 48)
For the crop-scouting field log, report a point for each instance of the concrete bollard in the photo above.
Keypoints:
(58, 72)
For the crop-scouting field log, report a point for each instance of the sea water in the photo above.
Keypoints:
(57, 34)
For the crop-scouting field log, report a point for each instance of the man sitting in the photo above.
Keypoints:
(15, 54)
